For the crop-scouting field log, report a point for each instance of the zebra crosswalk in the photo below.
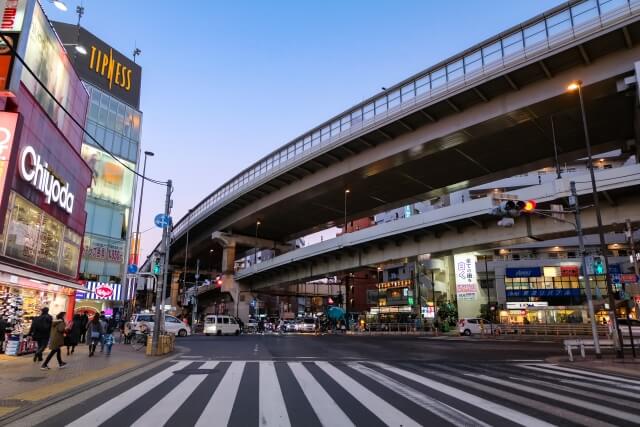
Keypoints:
(368, 393)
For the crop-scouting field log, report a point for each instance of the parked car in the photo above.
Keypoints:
(624, 327)
(289, 326)
(146, 322)
(220, 325)
(475, 325)
(307, 325)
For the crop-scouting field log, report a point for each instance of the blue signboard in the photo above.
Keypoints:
(524, 272)
(132, 269)
(162, 220)
(574, 292)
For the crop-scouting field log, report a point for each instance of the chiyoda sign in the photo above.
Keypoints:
(466, 276)
(36, 172)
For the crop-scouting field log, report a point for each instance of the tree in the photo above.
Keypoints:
(448, 313)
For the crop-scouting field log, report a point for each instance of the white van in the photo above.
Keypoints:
(220, 325)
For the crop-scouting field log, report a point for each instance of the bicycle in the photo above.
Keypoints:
(138, 339)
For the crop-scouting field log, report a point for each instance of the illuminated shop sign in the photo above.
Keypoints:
(466, 276)
(12, 15)
(524, 272)
(108, 67)
(36, 172)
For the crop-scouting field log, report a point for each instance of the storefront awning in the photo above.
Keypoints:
(11, 274)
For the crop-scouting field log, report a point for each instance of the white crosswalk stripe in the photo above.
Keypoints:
(519, 393)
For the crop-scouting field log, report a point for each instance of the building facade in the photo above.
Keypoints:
(43, 177)
(114, 123)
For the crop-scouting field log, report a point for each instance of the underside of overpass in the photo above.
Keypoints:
(495, 129)
(457, 235)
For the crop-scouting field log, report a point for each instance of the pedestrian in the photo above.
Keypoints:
(104, 324)
(57, 341)
(72, 338)
(40, 331)
(108, 334)
(94, 333)
(4, 328)
(84, 320)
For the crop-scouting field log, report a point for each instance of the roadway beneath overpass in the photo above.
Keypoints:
(458, 228)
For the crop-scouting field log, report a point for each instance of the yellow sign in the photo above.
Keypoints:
(114, 71)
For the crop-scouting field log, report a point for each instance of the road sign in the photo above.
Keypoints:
(132, 269)
(162, 220)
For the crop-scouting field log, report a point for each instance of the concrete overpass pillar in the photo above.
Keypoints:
(174, 291)
(240, 294)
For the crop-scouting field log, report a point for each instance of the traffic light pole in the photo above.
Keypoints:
(162, 290)
(587, 283)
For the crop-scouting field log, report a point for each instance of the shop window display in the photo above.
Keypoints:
(35, 237)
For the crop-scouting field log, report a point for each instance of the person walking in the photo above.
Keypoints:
(57, 341)
(84, 320)
(108, 334)
(4, 328)
(40, 331)
(74, 331)
(104, 323)
(94, 333)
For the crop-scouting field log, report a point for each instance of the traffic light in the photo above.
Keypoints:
(156, 265)
(598, 265)
(513, 208)
(218, 281)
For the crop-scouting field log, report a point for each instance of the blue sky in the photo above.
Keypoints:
(226, 82)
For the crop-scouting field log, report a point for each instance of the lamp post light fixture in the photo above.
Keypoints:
(255, 249)
(60, 5)
(573, 87)
(346, 192)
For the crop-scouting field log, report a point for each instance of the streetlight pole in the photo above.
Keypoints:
(186, 253)
(585, 270)
(346, 192)
(486, 274)
(137, 245)
(255, 249)
(577, 85)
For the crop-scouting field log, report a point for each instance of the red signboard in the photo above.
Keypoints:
(8, 122)
(104, 291)
(569, 271)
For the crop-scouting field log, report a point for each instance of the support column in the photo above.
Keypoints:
(240, 293)
(174, 291)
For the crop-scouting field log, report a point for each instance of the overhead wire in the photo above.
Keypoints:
(84, 131)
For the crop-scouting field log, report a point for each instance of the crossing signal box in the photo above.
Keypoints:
(156, 265)
(513, 208)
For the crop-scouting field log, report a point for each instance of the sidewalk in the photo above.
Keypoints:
(609, 364)
(22, 383)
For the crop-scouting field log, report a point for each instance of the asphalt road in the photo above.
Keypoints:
(274, 380)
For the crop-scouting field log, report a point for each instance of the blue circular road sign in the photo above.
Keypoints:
(132, 269)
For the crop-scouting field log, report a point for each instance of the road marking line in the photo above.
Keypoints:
(218, 410)
(471, 399)
(589, 373)
(580, 392)
(326, 409)
(612, 381)
(441, 409)
(598, 387)
(627, 416)
(507, 395)
(273, 411)
(380, 408)
(105, 411)
(162, 411)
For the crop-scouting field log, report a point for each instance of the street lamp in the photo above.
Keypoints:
(572, 87)
(346, 192)
(137, 245)
(255, 249)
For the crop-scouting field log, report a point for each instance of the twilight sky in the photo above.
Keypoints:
(227, 82)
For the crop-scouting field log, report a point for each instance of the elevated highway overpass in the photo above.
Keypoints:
(457, 228)
(478, 116)
(481, 115)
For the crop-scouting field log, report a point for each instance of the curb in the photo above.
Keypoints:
(36, 406)
(578, 364)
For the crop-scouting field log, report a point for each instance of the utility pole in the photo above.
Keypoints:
(194, 311)
(161, 291)
(486, 274)
(587, 284)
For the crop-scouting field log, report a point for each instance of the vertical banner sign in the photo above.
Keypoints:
(12, 16)
(8, 123)
(466, 277)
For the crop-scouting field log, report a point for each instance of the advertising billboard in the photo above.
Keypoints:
(48, 60)
(103, 66)
(466, 276)
(111, 180)
(102, 249)
(13, 12)
(8, 124)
